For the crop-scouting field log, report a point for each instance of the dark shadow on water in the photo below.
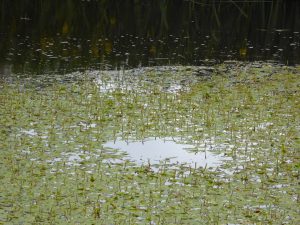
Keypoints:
(47, 36)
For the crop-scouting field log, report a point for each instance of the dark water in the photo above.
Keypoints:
(54, 35)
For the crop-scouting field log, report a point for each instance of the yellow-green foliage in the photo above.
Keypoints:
(252, 114)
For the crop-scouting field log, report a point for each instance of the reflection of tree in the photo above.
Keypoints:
(108, 17)
(226, 23)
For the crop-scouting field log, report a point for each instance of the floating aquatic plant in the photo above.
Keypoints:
(56, 166)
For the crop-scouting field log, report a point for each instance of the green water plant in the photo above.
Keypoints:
(56, 169)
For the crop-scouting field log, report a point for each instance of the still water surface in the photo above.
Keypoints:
(78, 35)
(154, 151)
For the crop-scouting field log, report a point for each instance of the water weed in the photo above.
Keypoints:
(57, 166)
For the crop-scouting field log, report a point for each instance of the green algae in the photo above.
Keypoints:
(56, 170)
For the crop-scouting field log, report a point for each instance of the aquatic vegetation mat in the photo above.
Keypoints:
(59, 164)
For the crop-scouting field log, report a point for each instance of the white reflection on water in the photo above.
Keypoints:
(156, 150)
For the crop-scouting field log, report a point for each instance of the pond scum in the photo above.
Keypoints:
(55, 168)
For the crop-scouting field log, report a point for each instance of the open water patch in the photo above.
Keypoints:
(154, 151)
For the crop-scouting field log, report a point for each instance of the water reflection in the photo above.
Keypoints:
(68, 36)
(154, 151)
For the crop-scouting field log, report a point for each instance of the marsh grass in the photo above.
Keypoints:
(55, 168)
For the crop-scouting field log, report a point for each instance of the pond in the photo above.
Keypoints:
(102, 34)
(130, 148)
(109, 116)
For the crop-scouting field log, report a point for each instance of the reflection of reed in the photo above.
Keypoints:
(224, 21)
(108, 17)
